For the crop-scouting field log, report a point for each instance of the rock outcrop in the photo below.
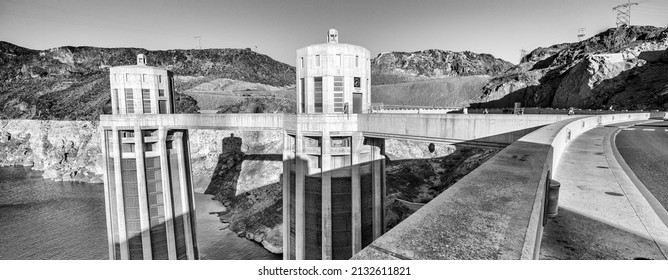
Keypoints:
(64, 150)
(622, 67)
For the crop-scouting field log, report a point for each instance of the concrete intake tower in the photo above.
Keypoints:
(333, 176)
(148, 189)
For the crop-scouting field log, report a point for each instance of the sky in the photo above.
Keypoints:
(279, 27)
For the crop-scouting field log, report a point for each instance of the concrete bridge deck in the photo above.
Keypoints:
(602, 214)
(495, 212)
(485, 130)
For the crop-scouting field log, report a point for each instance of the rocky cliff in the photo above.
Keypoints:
(64, 150)
(401, 67)
(622, 67)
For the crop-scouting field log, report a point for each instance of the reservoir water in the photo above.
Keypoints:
(44, 219)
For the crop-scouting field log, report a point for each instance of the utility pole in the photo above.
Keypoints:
(624, 13)
(581, 33)
(199, 41)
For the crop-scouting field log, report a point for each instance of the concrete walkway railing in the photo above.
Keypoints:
(495, 212)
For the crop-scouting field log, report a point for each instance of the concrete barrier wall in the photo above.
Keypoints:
(415, 111)
(658, 115)
(197, 121)
(319, 122)
(495, 212)
(454, 128)
(559, 134)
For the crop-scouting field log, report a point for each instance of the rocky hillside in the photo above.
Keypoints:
(64, 150)
(401, 67)
(623, 67)
(72, 83)
(444, 92)
(417, 174)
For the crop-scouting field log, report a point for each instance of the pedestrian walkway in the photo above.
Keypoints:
(602, 215)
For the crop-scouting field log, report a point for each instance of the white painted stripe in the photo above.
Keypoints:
(628, 129)
(648, 129)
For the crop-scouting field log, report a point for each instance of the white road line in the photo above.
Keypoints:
(648, 129)
(628, 129)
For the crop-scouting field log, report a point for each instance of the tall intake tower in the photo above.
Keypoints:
(333, 176)
(148, 189)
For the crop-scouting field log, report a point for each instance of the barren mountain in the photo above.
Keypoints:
(401, 67)
(623, 67)
(73, 82)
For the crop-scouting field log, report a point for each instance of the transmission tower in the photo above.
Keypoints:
(624, 13)
(581, 33)
(523, 53)
(199, 41)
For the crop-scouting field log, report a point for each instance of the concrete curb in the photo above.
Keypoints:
(649, 210)
(656, 205)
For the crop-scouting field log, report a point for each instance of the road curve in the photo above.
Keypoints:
(644, 148)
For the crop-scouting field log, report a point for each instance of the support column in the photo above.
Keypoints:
(144, 220)
(382, 186)
(167, 192)
(114, 101)
(356, 192)
(191, 195)
(155, 104)
(377, 189)
(169, 94)
(120, 203)
(326, 202)
(287, 157)
(300, 229)
(185, 195)
(107, 199)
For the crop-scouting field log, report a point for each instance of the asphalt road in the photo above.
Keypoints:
(644, 147)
